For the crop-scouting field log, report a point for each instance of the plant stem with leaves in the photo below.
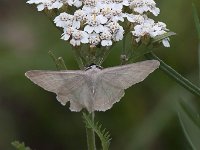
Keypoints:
(103, 134)
(90, 134)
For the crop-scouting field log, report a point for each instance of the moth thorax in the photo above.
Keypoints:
(93, 68)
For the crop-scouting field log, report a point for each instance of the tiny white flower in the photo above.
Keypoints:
(110, 10)
(45, 4)
(143, 29)
(76, 3)
(105, 2)
(94, 23)
(123, 2)
(126, 2)
(90, 3)
(117, 15)
(119, 34)
(113, 26)
(41, 7)
(64, 20)
(78, 17)
(106, 38)
(135, 18)
(91, 10)
(159, 29)
(79, 37)
(141, 6)
(57, 4)
(34, 1)
(94, 39)
(67, 33)
(166, 42)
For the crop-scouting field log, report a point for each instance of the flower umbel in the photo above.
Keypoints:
(104, 21)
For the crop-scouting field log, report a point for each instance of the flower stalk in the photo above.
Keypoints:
(96, 127)
(78, 58)
(91, 135)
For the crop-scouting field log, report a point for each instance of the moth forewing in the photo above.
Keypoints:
(128, 75)
(53, 80)
(106, 95)
(73, 86)
(113, 81)
(48, 80)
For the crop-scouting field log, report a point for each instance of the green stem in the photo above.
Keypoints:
(91, 135)
(78, 58)
(123, 56)
(54, 59)
(199, 61)
(62, 63)
(100, 58)
(175, 75)
(124, 46)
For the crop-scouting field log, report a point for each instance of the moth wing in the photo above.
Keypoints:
(68, 85)
(79, 97)
(106, 95)
(128, 75)
(112, 82)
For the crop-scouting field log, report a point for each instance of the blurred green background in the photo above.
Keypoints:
(145, 119)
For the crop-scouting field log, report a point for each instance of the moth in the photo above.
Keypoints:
(94, 88)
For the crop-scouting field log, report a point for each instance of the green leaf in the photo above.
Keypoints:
(197, 24)
(20, 146)
(103, 135)
(193, 116)
(163, 36)
(190, 123)
(175, 75)
(196, 19)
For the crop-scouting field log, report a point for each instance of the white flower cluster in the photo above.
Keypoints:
(98, 21)
(54, 4)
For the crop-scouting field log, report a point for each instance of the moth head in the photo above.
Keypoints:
(93, 66)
